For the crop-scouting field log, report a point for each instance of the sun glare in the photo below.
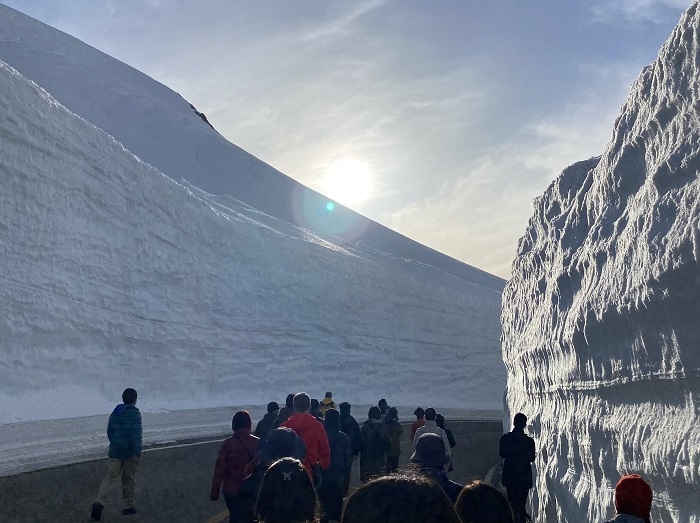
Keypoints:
(348, 182)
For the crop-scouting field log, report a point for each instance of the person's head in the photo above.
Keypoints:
(400, 498)
(329, 395)
(332, 420)
(482, 503)
(286, 494)
(392, 414)
(430, 451)
(345, 408)
(302, 402)
(273, 406)
(520, 420)
(241, 420)
(129, 396)
(633, 496)
(374, 413)
(289, 402)
(314, 405)
(430, 414)
(419, 413)
(383, 405)
(279, 443)
(440, 421)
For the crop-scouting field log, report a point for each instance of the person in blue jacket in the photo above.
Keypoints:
(125, 433)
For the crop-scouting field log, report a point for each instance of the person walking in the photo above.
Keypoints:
(431, 427)
(440, 422)
(376, 442)
(349, 426)
(395, 431)
(326, 403)
(517, 450)
(285, 412)
(420, 421)
(332, 489)
(125, 434)
(311, 431)
(234, 456)
(430, 458)
(265, 425)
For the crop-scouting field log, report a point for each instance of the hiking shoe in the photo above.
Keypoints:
(96, 513)
(129, 511)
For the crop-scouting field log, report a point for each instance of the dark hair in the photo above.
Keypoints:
(241, 420)
(481, 503)
(289, 402)
(430, 414)
(419, 412)
(382, 402)
(129, 396)
(272, 406)
(287, 494)
(440, 421)
(400, 498)
(302, 402)
(332, 419)
(520, 420)
(374, 413)
(329, 394)
(315, 404)
(344, 407)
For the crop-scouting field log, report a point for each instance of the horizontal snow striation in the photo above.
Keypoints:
(160, 127)
(601, 337)
(114, 275)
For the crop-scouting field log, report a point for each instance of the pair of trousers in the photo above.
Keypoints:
(517, 497)
(124, 469)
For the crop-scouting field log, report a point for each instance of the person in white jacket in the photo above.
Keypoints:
(431, 427)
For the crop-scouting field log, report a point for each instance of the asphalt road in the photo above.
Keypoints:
(173, 482)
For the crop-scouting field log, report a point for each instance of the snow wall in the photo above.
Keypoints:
(601, 330)
(114, 275)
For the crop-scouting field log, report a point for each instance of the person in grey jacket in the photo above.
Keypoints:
(125, 433)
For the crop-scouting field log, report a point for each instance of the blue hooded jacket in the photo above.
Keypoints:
(125, 432)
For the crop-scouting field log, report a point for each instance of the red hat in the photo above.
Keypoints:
(633, 496)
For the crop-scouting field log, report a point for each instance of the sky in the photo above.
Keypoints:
(448, 118)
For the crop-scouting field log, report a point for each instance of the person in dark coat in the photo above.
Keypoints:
(517, 450)
(287, 495)
(285, 412)
(279, 443)
(482, 503)
(440, 422)
(125, 434)
(349, 426)
(235, 454)
(430, 458)
(395, 431)
(376, 442)
(265, 425)
(332, 487)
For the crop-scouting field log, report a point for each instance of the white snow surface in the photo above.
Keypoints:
(601, 336)
(112, 274)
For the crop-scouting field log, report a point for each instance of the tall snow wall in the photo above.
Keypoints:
(112, 274)
(601, 330)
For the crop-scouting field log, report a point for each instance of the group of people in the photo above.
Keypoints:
(296, 468)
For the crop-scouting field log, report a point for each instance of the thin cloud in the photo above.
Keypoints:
(343, 25)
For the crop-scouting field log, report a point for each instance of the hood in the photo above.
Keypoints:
(121, 408)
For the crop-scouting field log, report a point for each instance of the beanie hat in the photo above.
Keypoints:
(430, 451)
(633, 496)
(279, 443)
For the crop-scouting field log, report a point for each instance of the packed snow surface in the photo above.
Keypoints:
(600, 319)
(112, 274)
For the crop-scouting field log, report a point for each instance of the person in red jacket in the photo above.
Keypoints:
(234, 456)
(312, 432)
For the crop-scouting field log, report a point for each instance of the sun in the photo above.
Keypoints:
(348, 182)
